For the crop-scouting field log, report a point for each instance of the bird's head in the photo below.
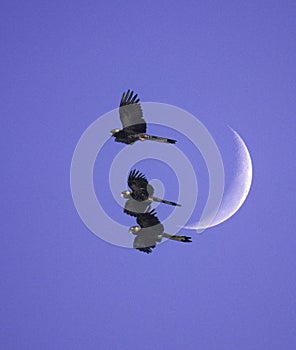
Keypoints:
(134, 230)
(114, 131)
(125, 194)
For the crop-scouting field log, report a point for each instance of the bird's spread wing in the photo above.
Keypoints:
(150, 190)
(134, 208)
(137, 181)
(148, 219)
(144, 244)
(131, 114)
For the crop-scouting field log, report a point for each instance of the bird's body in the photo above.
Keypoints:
(133, 207)
(141, 190)
(150, 232)
(133, 123)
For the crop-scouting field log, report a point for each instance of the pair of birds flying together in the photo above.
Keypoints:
(149, 231)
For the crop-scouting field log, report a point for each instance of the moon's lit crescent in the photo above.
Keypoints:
(239, 189)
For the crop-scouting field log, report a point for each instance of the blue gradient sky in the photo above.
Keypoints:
(63, 64)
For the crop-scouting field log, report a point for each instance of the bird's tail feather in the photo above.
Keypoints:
(177, 238)
(160, 139)
(155, 199)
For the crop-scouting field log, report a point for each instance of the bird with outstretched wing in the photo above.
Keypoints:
(142, 191)
(133, 123)
(150, 232)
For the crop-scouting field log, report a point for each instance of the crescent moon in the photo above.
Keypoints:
(239, 189)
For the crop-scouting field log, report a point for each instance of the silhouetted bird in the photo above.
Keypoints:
(150, 231)
(142, 191)
(133, 123)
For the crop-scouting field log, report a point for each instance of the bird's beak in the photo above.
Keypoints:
(114, 131)
(125, 194)
(134, 229)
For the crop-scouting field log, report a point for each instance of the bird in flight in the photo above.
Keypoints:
(141, 191)
(150, 232)
(133, 123)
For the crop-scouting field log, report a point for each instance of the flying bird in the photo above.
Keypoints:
(150, 232)
(141, 191)
(133, 123)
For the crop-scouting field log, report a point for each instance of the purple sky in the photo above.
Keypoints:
(63, 64)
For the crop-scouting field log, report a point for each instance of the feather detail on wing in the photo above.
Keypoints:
(144, 244)
(131, 114)
(137, 180)
(134, 208)
(149, 219)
